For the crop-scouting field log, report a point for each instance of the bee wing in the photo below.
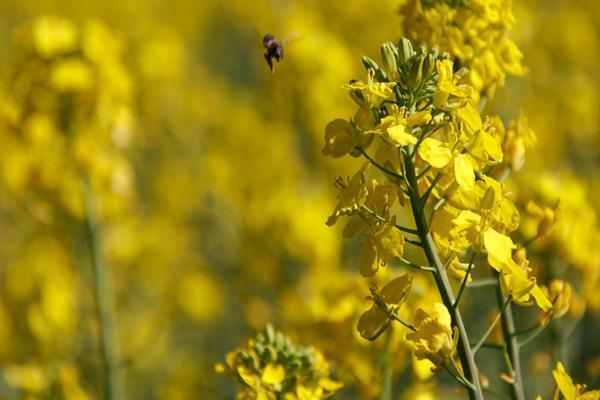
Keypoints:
(291, 38)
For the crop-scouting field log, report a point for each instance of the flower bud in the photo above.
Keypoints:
(416, 73)
(405, 51)
(547, 222)
(389, 55)
(428, 66)
(369, 63)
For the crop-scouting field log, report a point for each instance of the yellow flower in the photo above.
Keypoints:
(53, 36)
(435, 153)
(446, 85)
(559, 292)
(514, 279)
(433, 339)
(372, 93)
(389, 299)
(352, 195)
(71, 75)
(568, 389)
(381, 247)
(338, 138)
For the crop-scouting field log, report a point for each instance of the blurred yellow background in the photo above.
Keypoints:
(150, 139)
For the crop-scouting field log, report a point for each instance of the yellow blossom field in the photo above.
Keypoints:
(300, 200)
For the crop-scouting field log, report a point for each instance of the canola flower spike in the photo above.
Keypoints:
(443, 163)
(457, 148)
(272, 367)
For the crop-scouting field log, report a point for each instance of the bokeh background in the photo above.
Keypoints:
(164, 144)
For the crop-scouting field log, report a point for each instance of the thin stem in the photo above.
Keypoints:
(464, 282)
(415, 266)
(536, 332)
(464, 349)
(379, 166)
(482, 283)
(425, 197)
(461, 380)
(386, 361)
(425, 171)
(512, 346)
(103, 298)
(491, 327)
(436, 207)
(383, 220)
(413, 242)
(395, 317)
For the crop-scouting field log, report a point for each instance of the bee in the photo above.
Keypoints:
(274, 48)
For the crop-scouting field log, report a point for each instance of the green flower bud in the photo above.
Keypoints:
(371, 64)
(405, 51)
(428, 66)
(389, 55)
(416, 73)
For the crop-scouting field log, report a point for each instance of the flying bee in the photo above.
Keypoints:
(274, 48)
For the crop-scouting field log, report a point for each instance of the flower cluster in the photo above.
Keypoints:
(271, 367)
(428, 136)
(473, 31)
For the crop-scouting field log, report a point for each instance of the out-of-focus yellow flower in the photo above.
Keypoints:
(271, 367)
(53, 35)
(29, 377)
(559, 293)
(434, 339)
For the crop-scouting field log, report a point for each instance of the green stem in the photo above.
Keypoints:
(379, 166)
(482, 283)
(464, 282)
(441, 278)
(512, 346)
(103, 298)
(386, 366)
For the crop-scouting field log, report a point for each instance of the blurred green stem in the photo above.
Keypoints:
(386, 367)
(512, 346)
(103, 294)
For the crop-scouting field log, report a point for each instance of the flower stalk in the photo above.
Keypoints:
(512, 346)
(103, 294)
(465, 353)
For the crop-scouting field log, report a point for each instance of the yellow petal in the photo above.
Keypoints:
(273, 374)
(338, 138)
(463, 171)
(540, 298)
(248, 376)
(396, 290)
(371, 321)
(330, 385)
(564, 382)
(499, 248)
(435, 153)
(398, 136)
(420, 118)
(470, 118)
